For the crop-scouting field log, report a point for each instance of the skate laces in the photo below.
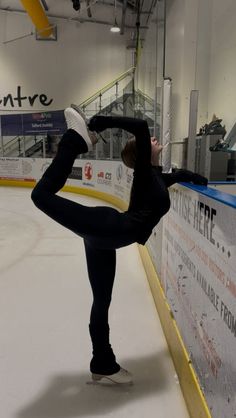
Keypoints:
(103, 139)
(86, 119)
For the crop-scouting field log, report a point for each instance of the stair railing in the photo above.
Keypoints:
(99, 94)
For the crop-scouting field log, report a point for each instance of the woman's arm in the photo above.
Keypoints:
(137, 127)
(184, 176)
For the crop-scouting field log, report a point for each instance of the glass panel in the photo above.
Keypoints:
(149, 76)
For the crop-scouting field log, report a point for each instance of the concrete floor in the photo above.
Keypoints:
(45, 302)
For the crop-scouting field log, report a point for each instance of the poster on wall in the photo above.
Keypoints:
(198, 275)
(28, 124)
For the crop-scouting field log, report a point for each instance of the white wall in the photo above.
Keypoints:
(187, 58)
(150, 68)
(85, 58)
(201, 54)
(222, 86)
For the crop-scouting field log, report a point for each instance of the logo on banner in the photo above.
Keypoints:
(45, 166)
(26, 167)
(104, 178)
(129, 177)
(88, 171)
(119, 189)
(76, 173)
(119, 172)
(41, 116)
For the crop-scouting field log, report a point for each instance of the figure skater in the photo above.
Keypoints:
(105, 229)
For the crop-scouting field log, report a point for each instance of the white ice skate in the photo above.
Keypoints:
(122, 377)
(95, 135)
(80, 111)
(76, 122)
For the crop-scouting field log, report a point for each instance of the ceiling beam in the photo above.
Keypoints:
(124, 8)
(74, 19)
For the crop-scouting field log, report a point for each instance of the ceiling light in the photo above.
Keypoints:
(115, 28)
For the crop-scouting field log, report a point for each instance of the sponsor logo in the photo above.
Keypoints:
(119, 172)
(108, 176)
(88, 171)
(41, 116)
(104, 178)
(45, 166)
(76, 173)
(129, 176)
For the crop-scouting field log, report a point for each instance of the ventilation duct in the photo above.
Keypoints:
(38, 17)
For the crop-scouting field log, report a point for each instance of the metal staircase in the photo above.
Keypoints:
(117, 98)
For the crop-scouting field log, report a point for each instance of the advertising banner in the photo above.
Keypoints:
(16, 169)
(110, 177)
(33, 123)
(44, 122)
(198, 274)
(11, 125)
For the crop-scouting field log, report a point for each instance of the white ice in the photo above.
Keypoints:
(45, 348)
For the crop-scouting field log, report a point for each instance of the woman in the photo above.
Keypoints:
(104, 229)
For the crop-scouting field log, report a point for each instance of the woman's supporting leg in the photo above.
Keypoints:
(101, 266)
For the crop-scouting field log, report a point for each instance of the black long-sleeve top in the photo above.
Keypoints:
(149, 198)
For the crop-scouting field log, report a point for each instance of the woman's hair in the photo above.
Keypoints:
(128, 153)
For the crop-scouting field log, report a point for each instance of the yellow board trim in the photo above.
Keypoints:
(191, 389)
(119, 203)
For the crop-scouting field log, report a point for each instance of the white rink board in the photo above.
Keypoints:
(199, 280)
(110, 177)
(194, 252)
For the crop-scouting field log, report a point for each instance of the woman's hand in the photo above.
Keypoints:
(156, 146)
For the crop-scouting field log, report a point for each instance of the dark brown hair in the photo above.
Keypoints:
(128, 153)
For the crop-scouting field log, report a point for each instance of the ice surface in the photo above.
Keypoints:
(45, 302)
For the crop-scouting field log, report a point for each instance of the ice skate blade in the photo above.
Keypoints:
(108, 382)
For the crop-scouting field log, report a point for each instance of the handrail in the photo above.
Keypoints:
(107, 87)
(10, 143)
(13, 139)
(148, 98)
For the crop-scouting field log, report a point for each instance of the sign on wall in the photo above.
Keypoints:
(33, 123)
(198, 274)
(19, 99)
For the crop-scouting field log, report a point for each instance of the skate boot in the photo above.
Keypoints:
(80, 111)
(76, 122)
(95, 135)
(122, 377)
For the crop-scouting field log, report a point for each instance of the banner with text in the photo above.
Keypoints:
(198, 274)
(110, 177)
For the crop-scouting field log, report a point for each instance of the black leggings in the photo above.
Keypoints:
(103, 229)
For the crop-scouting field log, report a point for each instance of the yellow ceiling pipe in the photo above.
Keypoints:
(38, 17)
